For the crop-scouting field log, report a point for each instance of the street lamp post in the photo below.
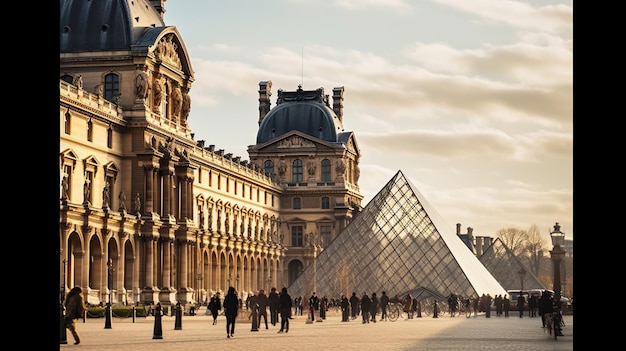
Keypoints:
(557, 254)
(107, 321)
(522, 273)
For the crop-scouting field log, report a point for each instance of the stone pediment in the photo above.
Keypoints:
(296, 141)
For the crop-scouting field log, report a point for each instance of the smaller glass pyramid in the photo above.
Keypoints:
(398, 244)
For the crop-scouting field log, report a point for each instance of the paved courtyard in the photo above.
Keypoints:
(444, 333)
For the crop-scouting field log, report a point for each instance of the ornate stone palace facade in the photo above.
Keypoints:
(147, 213)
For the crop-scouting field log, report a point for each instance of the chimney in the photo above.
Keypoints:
(211, 148)
(265, 92)
(338, 102)
(458, 229)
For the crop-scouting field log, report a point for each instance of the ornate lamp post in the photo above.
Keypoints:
(522, 273)
(557, 254)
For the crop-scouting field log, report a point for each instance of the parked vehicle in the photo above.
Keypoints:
(513, 295)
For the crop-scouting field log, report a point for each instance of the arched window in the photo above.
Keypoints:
(297, 203)
(268, 167)
(89, 130)
(297, 171)
(326, 170)
(111, 86)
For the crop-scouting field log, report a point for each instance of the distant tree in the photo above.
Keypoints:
(535, 245)
(515, 239)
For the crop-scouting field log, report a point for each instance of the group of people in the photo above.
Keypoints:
(281, 304)
(278, 303)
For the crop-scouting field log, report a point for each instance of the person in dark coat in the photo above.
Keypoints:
(273, 297)
(314, 305)
(366, 305)
(354, 305)
(215, 305)
(545, 306)
(231, 308)
(533, 305)
(374, 307)
(506, 305)
(521, 300)
(74, 309)
(384, 302)
(345, 308)
(262, 302)
(284, 305)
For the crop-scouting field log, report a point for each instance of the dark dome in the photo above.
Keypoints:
(104, 25)
(304, 111)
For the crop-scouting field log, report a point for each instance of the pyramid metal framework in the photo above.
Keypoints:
(504, 266)
(398, 244)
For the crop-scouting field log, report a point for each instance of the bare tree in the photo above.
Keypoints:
(534, 247)
(515, 239)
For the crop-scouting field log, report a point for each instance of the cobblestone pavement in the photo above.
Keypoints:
(427, 333)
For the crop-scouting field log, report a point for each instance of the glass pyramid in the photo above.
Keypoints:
(398, 244)
(504, 266)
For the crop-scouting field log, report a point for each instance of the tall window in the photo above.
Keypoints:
(297, 203)
(67, 122)
(297, 236)
(111, 86)
(268, 167)
(297, 171)
(326, 170)
(325, 202)
(110, 137)
(89, 130)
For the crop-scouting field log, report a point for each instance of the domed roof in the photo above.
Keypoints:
(104, 25)
(304, 111)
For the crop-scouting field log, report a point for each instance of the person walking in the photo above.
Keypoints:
(345, 308)
(354, 305)
(284, 305)
(74, 309)
(521, 300)
(231, 307)
(262, 302)
(488, 301)
(506, 305)
(215, 305)
(545, 306)
(374, 307)
(273, 297)
(384, 302)
(533, 305)
(366, 305)
(408, 306)
(314, 305)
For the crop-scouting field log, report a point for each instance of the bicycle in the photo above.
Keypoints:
(394, 311)
(554, 323)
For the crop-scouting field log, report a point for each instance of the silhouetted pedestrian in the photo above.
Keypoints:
(231, 308)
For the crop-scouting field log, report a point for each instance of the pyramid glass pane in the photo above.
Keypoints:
(397, 244)
(504, 266)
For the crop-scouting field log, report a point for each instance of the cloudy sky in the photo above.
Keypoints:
(471, 100)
